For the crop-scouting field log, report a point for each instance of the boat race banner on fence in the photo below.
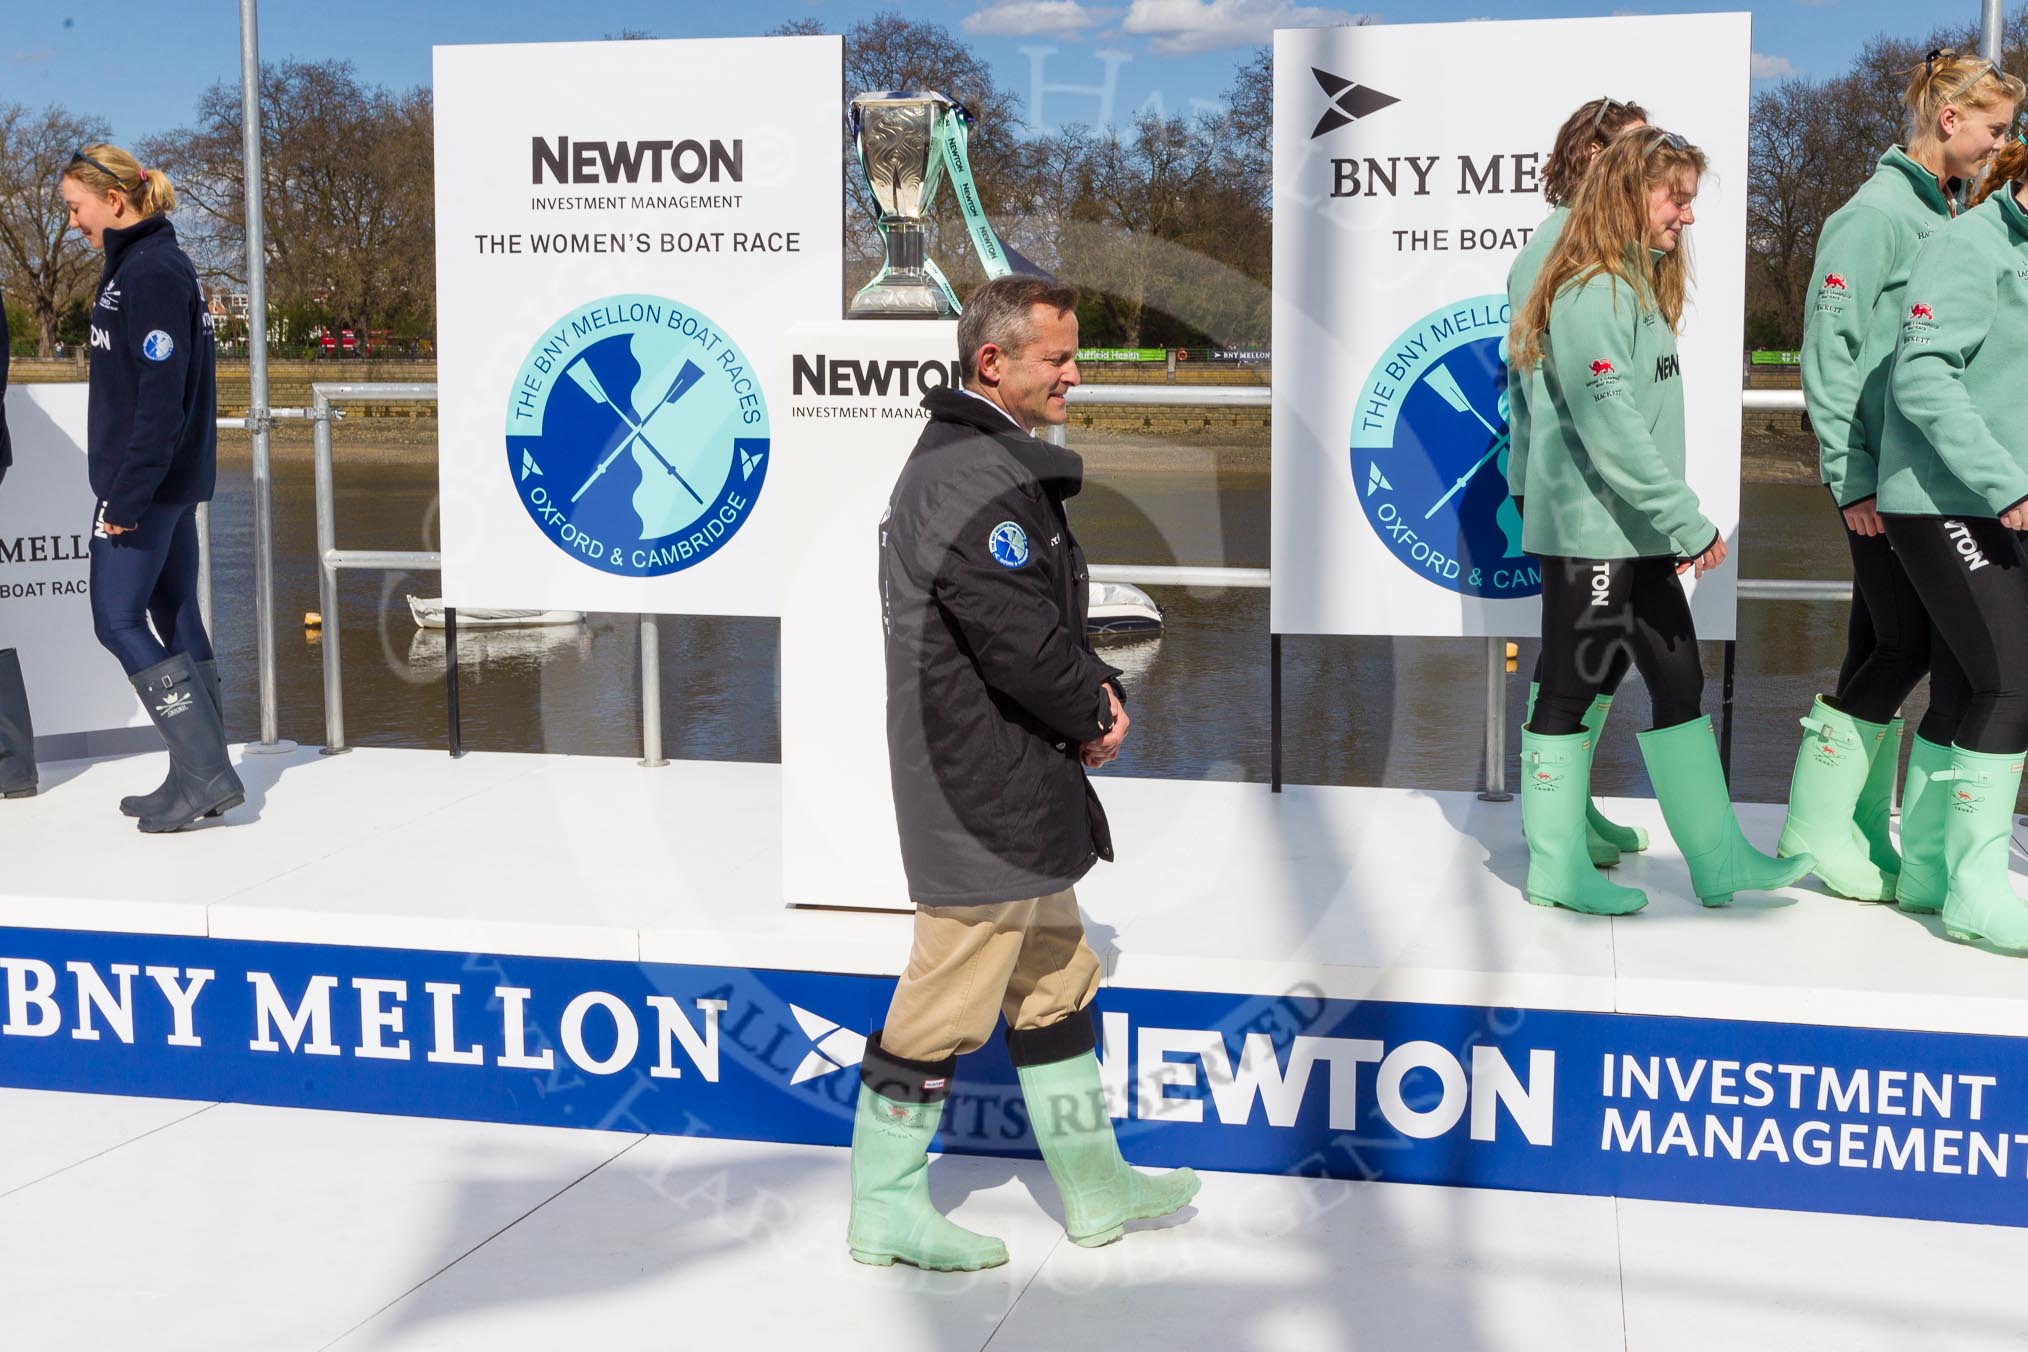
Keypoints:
(45, 569)
(1791, 1116)
(626, 231)
(1398, 209)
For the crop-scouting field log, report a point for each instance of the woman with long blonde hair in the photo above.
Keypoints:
(1959, 108)
(1614, 523)
(153, 450)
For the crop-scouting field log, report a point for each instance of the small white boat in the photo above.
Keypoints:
(429, 614)
(1120, 610)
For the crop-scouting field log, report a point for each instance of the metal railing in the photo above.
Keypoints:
(333, 561)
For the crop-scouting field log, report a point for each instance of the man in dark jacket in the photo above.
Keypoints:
(17, 731)
(996, 706)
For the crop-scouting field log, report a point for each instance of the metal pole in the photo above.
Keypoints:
(1274, 713)
(321, 414)
(651, 693)
(452, 716)
(257, 372)
(1725, 709)
(204, 566)
(1990, 20)
(1496, 723)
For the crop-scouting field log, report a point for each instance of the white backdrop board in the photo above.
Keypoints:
(1398, 208)
(852, 416)
(74, 685)
(625, 233)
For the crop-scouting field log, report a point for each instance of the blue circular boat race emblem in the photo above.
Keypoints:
(1429, 453)
(637, 435)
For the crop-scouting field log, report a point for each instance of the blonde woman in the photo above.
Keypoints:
(1615, 524)
(152, 458)
(1959, 108)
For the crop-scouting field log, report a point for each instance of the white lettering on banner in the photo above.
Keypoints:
(92, 992)
(514, 1024)
(312, 1014)
(31, 999)
(180, 989)
(443, 999)
(1931, 1147)
(672, 1027)
(1260, 1074)
(626, 1033)
(375, 1018)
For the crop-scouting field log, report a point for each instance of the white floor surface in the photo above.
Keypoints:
(1352, 892)
(168, 1225)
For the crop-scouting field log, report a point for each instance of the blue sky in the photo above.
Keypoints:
(141, 66)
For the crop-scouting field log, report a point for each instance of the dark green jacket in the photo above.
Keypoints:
(1863, 259)
(1956, 441)
(1605, 461)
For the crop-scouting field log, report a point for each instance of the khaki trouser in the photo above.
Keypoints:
(971, 964)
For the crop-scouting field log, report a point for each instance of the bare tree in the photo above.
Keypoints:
(44, 263)
(347, 196)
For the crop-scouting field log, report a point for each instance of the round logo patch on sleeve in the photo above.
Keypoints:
(158, 346)
(1009, 544)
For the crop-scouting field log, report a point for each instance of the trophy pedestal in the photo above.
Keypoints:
(902, 289)
(900, 296)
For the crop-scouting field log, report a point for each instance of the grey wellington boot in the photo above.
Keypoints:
(200, 766)
(17, 731)
(149, 804)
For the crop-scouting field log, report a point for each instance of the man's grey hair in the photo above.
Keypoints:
(1002, 312)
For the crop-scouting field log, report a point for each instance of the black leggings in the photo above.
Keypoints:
(1972, 575)
(1888, 638)
(147, 573)
(1597, 614)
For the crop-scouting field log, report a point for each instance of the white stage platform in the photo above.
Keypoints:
(1329, 982)
(193, 1227)
(1348, 893)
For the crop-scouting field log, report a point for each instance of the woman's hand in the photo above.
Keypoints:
(1863, 517)
(2015, 517)
(1706, 561)
(110, 529)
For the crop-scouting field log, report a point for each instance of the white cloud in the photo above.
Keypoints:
(1767, 67)
(1033, 18)
(1206, 25)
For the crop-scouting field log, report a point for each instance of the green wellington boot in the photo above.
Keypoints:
(1876, 801)
(891, 1213)
(1921, 885)
(1833, 767)
(1690, 786)
(1604, 839)
(1101, 1191)
(1555, 790)
(1981, 906)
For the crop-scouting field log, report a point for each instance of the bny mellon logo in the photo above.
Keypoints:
(1349, 101)
(837, 1048)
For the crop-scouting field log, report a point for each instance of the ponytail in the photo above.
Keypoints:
(108, 169)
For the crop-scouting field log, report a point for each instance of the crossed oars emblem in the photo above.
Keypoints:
(588, 381)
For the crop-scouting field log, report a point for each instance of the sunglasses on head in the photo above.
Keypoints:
(1606, 104)
(1659, 138)
(1943, 53)
(79, 157)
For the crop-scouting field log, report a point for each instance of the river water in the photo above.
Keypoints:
(1397, 712)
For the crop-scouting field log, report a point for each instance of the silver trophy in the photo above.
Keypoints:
(897, 138)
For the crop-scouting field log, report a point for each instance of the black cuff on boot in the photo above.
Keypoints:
(904, 1081)
(1059, 1041)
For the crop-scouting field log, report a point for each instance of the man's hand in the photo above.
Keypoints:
(2015, 517)
(1100, 751)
